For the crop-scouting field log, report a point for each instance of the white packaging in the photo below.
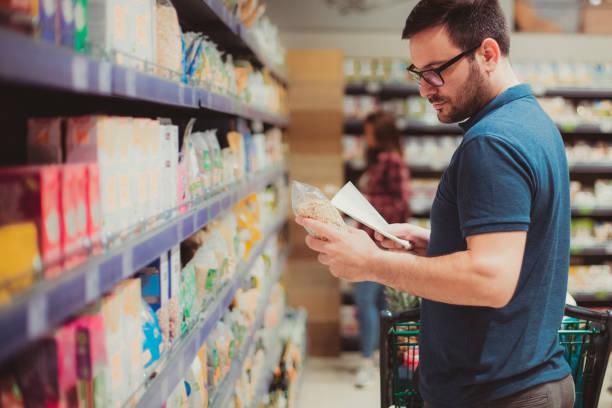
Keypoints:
(110, 23)
(216, 157)
(141, 35)
(169, 166)
(175, 292)
(154, 168)
(204, 159)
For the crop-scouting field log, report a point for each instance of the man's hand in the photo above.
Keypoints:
(417, 235)
(349, 255)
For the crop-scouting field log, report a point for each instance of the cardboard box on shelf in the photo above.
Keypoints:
(44, 141)
(94, 214)
(32, 194)
(109, 26)
(74, 214)
(19, 249)
(91, 361)
(121, 311)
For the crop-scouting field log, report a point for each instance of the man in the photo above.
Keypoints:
(494, 276)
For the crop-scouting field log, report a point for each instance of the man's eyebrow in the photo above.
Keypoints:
(431, 64)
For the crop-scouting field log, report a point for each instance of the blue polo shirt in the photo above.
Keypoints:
(509, 174)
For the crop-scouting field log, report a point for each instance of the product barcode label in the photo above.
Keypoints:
(130, 82)
(37, 312)
(80, 73)
(104, 77)
(92, 285)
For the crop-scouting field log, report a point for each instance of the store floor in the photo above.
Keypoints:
(328, 383)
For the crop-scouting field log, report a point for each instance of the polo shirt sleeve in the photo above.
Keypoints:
(494, 187)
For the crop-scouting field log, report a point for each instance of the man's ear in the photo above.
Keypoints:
(490, 53)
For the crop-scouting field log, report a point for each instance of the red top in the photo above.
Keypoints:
(388, 188)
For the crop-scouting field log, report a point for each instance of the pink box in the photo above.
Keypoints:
(65, 343)
(74, 213)
(32, 193)
(94, 208)
(91, 360)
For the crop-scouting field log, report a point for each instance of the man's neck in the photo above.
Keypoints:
(504, 78)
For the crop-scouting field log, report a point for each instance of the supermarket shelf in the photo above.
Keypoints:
(412, 127)
(348, 298)
(575, 168)
(585, 129)
(399, 89)
(592, 211)
(592, 250)
(214, 19)
(41, 64)
(183, 353)
(407, 127)
(220, 396)
(274, 356)
(592, 297)
(384, 90)
(49, 303)
(577, 92)
(590, 167)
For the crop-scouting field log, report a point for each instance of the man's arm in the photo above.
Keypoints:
(486, 274)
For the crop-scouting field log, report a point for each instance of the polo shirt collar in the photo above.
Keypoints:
(509, 95)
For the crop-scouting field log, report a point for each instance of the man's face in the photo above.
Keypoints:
(465, 89)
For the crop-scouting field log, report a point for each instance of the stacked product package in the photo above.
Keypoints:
(114, 173)
(231, 334)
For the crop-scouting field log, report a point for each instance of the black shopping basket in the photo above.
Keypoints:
(586, 336)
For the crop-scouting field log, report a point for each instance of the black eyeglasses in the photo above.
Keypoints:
(433, 76)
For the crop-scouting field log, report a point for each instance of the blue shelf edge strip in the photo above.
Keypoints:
(39, 63)
(48, 303)
(162, 386)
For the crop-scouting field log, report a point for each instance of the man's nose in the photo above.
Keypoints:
(425, 89)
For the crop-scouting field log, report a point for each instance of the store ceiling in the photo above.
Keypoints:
(341, 15)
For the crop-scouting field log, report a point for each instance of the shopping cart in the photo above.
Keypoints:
(586, 336)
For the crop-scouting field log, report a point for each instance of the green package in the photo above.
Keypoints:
(81, 25)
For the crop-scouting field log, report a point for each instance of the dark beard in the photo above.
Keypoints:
(471, 98)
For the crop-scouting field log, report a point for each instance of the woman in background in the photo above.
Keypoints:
(385, 184)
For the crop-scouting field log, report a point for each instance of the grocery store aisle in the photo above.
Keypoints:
(328, 383)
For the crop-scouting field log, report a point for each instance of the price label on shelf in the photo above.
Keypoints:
(585, 211)
(130, 82)
(80, 73)
(92, 285)
(181, 94)
(105, 77)
(373, 87)
(37, 313)
(608, 249)
(606, 126)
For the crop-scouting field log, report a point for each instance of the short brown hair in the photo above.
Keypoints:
(386, 133)
(469, 22)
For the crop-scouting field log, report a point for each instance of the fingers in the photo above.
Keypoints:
(324, 259)
(316, 244)
(319, 228)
